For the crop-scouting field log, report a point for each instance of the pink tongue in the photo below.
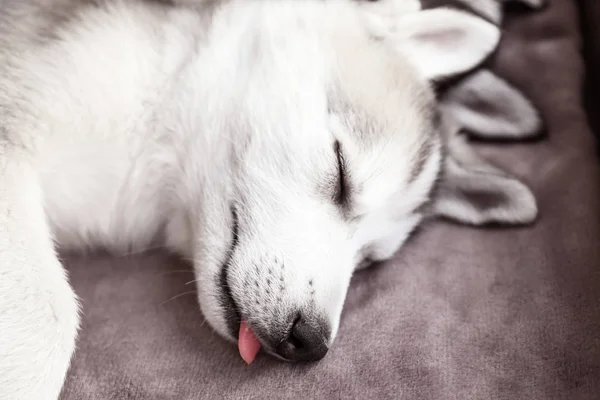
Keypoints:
(248, 344)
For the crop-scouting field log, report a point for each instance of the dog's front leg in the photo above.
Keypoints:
(38, 309)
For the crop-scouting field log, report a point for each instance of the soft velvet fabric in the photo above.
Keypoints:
(460, 313)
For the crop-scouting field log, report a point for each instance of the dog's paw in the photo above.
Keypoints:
(489, 108)
(39, 320)
(473, 191)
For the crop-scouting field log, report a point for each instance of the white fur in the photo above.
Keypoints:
(144, 123)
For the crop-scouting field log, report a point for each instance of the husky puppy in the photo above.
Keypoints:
(280, 144)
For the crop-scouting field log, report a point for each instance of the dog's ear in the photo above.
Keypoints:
(487, 107)
(472, 191)
(443, 42)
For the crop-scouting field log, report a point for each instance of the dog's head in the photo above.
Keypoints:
(327, 159)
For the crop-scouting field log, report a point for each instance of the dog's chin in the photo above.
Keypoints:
(229, 310)
(216, 319)
(219, 309)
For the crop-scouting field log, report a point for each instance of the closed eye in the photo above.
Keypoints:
(341, 195)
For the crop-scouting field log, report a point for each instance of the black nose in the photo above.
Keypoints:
(306, 341)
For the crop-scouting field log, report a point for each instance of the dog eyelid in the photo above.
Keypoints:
(341, 195)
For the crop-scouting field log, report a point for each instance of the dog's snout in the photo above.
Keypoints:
(307, 340)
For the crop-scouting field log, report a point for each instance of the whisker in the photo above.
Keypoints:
(177, 296)
(192, 281)
(140, 251)
(176, 271)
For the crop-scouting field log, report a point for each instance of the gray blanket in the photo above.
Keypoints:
(460, 313)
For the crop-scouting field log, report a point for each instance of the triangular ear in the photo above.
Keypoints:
(487, 107)
(442, 42)
(475, 192)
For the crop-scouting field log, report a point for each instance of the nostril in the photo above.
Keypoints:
(305, 341)
(295, 337)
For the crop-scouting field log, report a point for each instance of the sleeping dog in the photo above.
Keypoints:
(279, 144)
